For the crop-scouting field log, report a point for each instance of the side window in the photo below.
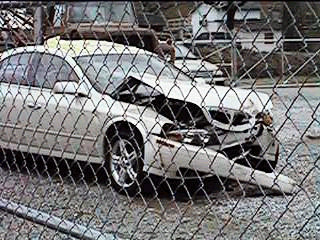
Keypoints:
(35, 69)
(49, 68)
(14, 69)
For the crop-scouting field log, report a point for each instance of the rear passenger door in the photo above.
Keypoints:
(15, 94)
(35, 119)
(60, 120)
(53, 117)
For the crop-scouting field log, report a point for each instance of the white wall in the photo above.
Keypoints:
(259, 43)
(214, 14)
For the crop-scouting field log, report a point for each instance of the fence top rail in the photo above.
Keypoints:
(251, 40)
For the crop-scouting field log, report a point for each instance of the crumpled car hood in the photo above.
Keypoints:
(208, 96)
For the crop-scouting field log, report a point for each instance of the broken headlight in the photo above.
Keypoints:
(190, 136)
(265, 118)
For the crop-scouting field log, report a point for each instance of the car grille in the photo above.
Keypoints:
(230, 117)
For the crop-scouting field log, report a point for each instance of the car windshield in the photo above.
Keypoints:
(184, 52)
(100, 12)
(107, 72)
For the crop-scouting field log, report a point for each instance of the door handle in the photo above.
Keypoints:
(34, 106)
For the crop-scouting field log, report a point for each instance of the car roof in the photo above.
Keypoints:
(74, 48)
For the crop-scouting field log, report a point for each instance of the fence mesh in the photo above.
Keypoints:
(159, 120)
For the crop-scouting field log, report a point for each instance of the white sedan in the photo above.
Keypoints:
(125, 108)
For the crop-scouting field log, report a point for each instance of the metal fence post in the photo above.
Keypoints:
(38, 25)
(233, 59)
(282, 62)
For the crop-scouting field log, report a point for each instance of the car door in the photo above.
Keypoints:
(15, 94)
(60, 119)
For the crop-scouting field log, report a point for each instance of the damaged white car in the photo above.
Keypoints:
(125, 108)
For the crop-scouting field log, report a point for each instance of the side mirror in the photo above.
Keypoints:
(68, 87)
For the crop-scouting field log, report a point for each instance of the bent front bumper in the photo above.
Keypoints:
(170, 156)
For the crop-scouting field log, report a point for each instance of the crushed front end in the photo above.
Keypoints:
(227, 143)
(245, 139)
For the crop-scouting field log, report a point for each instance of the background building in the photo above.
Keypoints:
(208, 23)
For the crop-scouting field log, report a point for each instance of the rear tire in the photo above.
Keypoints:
(124, 163)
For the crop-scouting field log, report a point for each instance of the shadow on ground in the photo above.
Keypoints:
(70, 171)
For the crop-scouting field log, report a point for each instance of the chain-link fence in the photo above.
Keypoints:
(159, 120)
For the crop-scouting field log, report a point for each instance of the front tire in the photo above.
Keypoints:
(124, 164)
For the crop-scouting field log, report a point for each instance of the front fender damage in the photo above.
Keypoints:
(231, 140)
(230, 144)
(175, 155)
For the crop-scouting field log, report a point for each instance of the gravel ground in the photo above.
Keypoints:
(75, 194)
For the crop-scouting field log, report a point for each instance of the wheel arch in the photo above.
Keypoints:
(120, 125)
